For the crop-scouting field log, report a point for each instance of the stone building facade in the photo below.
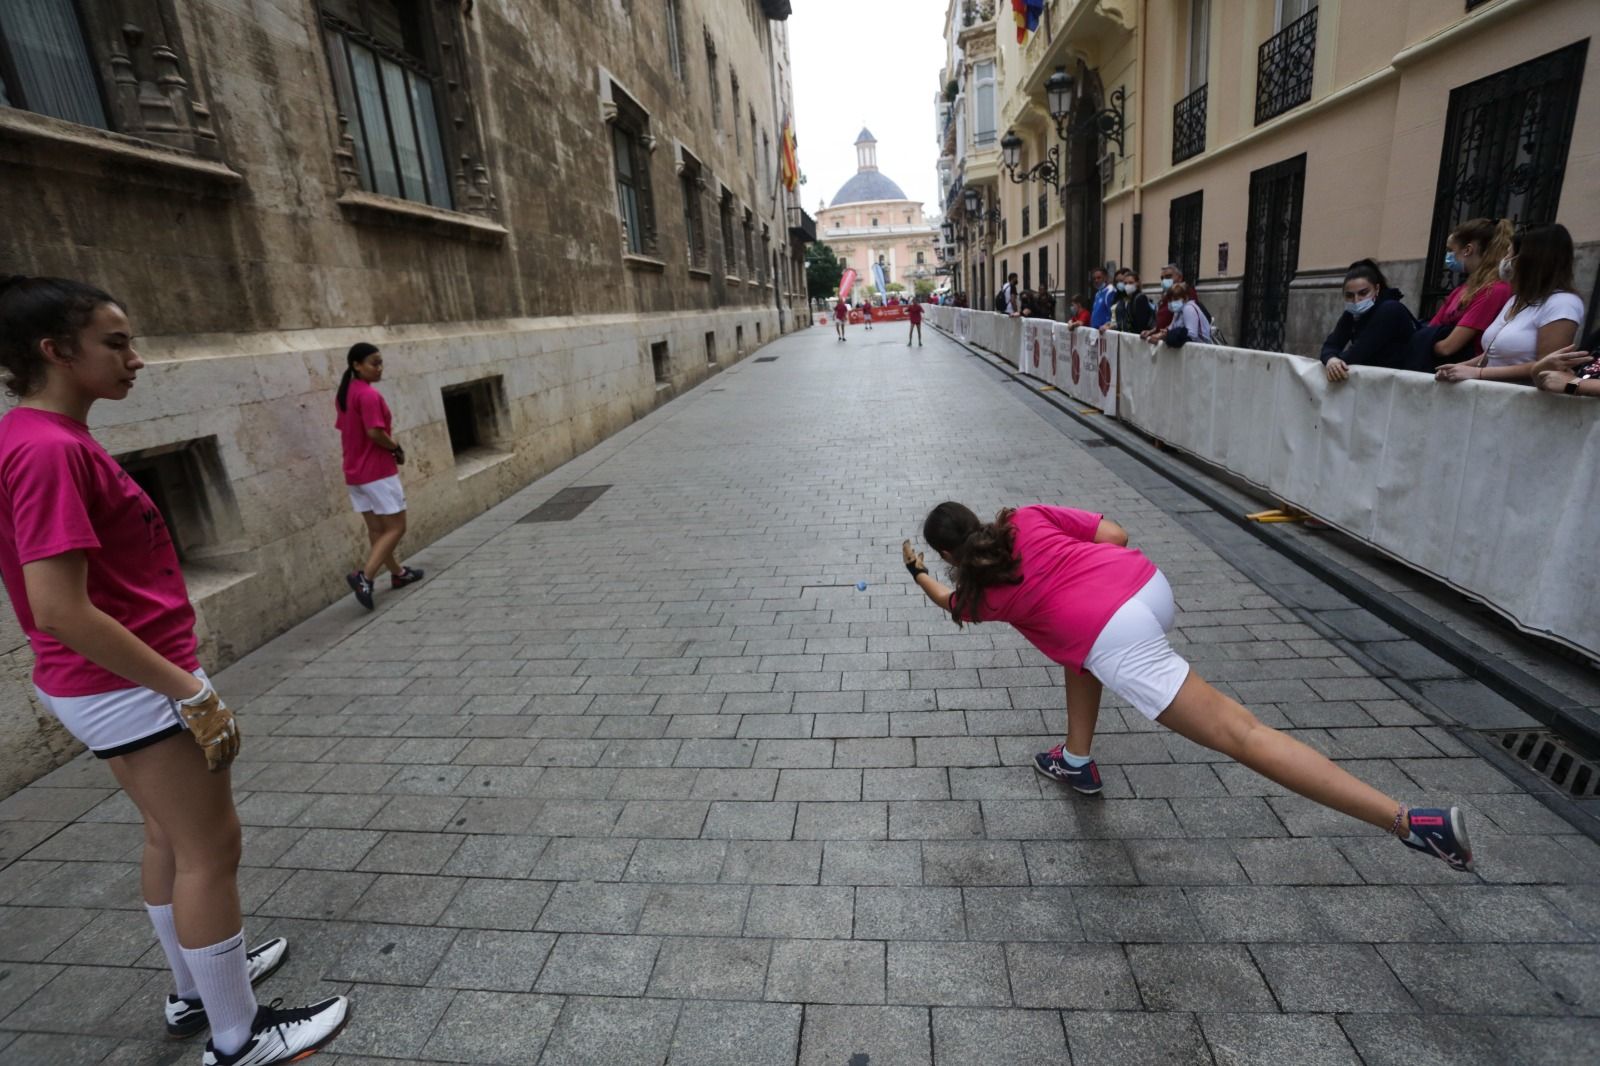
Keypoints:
(870, 221)
(1266, 144)
(551, 217)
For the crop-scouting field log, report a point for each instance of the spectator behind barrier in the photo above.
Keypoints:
(1188, 323)
(1132, 311)
(1574, 370)
(1541, 317)
(1473, 249)
(1078, 313)
(1171, 275)
(1375, 328)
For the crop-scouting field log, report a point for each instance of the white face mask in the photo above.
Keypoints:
(1174, 306)
(1361, 307)
(1166, 283)
(1505, 268)
(1130, 288)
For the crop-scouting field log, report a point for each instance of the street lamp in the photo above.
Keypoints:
(1047, 170)
(948, 231)
(973, 201)
(1109, 122)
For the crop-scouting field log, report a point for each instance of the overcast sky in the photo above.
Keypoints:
(867, 63)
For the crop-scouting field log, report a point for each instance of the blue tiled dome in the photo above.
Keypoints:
(867, 185)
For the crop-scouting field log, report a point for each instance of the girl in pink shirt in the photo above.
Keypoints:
(372, 469)
(1068, 582)
(94, 579)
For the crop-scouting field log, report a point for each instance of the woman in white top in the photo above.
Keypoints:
(1541, 317)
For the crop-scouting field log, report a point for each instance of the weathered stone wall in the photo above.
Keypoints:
(248, 278)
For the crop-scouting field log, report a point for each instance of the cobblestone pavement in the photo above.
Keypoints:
(659, 784)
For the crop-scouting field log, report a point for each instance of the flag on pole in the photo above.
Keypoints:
(1027, 14)
(789, 159)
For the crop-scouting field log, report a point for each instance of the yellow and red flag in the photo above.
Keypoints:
(790, 160)
(1027, 13)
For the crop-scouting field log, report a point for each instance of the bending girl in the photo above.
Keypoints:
(1068, 582)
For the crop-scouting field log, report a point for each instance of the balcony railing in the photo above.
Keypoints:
(1189, 126)
(1284, 65)
(802, 227)
(983, 139)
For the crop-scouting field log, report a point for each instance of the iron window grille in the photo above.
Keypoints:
(389, 93)
(749, 243)
(694, 226)
(1272, 251)
(738, 138)
(675, 38)
(713, 86)
(730, 252)
(1183, 234)
(1284, 67)
(1505, 151)
(1189, 126)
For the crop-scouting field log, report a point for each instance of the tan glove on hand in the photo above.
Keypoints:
(212, 726)
(912, 559)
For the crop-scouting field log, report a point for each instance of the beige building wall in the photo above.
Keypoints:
(899, 236)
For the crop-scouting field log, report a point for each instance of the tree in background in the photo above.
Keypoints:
(924, 287)
(823, 271)
(895, 286)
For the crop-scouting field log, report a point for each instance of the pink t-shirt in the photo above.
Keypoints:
(1479, 314)
(364, 461)
(1070, 586)
(61, 492)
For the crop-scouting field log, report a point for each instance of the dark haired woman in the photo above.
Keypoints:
(372, 469)
(94, 581)
(1541, 317)
(1375, 328)
(1069, 584)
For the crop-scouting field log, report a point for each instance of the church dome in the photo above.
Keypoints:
(867, 185)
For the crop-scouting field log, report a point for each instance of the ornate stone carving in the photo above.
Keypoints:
(141, 54)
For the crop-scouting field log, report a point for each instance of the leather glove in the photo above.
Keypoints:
(912, 559)
(212, 726)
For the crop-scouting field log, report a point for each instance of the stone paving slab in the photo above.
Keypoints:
(659, 784)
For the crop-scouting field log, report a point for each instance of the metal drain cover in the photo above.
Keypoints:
(1547, 755)
(565, 505)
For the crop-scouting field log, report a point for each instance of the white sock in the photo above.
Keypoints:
(223, 977)
(167, 933)
(1074, 761)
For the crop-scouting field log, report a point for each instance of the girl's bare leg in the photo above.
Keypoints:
(392, 528)
(1083, 711)
(192, 809)
(375, 530)
(1211, 719)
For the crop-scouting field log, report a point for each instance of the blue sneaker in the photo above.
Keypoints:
(1443, 832)
(1085, 778)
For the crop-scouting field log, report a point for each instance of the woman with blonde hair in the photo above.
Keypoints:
(1474, 249)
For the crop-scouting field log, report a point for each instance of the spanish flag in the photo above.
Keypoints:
(1027, 13)
(790, 161)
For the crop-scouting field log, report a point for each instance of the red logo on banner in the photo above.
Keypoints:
(1075, 367)
(1105, 376)
(1036, 353)
(1052, 358)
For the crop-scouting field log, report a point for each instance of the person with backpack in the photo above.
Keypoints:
(1375, 328)
(1006, 301)
(1188, 323)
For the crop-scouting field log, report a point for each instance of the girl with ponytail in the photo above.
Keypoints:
(372, 470)
(1473, 250)
(94, 579)
(1069, 583)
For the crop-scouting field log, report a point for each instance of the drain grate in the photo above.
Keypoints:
(767, 359)
(565, 505)
(1551, 758)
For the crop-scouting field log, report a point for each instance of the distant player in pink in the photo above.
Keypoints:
(372, 469)
(93, 577)
(1068, 582)
(914, 316)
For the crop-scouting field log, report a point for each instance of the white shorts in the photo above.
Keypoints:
(384, 496)
(1131, 656)
(117, 722)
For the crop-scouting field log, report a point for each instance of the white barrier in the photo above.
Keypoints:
(1492, 488)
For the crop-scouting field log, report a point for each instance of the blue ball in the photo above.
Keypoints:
(861, 586)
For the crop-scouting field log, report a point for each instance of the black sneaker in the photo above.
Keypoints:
(279, 1035)
(361, 586)
(186, 1017)
(1442, 832)
(408, 575)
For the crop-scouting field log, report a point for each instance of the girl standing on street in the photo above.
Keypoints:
(372, 469)
(1068, 582)
(93, 577)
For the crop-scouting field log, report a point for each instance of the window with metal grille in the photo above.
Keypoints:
(1272, 251)
(749, 243)
(738, 140)
(1027, 271)
(1044, 268)
(730, 253)
(1505, 151)
(1284, 65)
(1044, 209)
(1189, 126)
(385, 86)
(45, 63)
(631, 163)
(714, 86)
(1183, 233)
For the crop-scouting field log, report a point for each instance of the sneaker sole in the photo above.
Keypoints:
(1458, 826)
(204, 1023)
(1061, 781)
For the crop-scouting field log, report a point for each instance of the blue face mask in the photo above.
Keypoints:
(1451, 263)
(1174, 306)
(1361, 307)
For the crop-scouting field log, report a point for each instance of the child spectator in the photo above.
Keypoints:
(1078, 314)
(1375, 328)
(1541, 317)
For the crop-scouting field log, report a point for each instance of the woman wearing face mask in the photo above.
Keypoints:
(1541, 317)
(1188, 323)
(1131, 311)
(1375, 329)
(1474, 249)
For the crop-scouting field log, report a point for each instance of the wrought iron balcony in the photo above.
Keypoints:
(1189, 126)
(1284, 65)
(802, 227)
